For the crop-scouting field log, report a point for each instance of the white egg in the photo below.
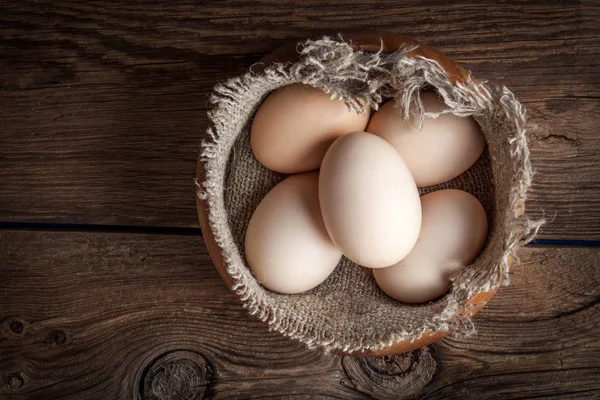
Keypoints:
(287, 246)
(369, 201)
(295, 126)
(444, 148)
(453, 232)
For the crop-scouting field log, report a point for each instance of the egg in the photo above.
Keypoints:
(444, 148)
(295, 126)
(453, 232)
(287, 246)
(369, 200)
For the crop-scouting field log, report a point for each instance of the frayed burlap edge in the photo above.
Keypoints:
(361, 78)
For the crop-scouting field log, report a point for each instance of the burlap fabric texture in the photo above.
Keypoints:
(348, 311)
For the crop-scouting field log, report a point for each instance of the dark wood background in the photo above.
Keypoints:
(106, 288)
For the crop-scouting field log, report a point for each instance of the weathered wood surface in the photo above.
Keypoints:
(102, 108)
(89, 315)
(103, 104)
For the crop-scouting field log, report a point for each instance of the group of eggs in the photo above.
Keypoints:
(354, 193)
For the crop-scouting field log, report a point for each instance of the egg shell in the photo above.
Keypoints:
(287, 246)
(453, 232)
(444, 148)
(295, 125)
(369, 201)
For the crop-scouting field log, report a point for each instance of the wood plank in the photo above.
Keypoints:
(537, 337)
(103, 104)
(85, 315)
(121, 301)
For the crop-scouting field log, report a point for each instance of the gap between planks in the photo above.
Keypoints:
(187, 231)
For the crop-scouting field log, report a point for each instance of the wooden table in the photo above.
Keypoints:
(106, 288)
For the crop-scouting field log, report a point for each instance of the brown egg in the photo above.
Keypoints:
(369, 201)
(444, 148)
(453, 232)
(287, 246)
(295, 126)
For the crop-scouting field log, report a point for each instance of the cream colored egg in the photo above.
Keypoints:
(444, 148)
(369, 201)
(287, 246)
(453, 232)
(295, 126)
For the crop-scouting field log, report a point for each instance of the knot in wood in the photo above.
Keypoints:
(181, 375)
(57, 337)
(400, 376)
(14, 326)
(15, 381)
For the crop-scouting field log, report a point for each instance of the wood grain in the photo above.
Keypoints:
(122, 301)
(86, 315)
(103, 104)
(550, 309)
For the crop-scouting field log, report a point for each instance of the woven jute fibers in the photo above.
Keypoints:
(348, 311)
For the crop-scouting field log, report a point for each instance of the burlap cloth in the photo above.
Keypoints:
(348, 311)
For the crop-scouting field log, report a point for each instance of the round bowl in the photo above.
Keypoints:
(387, 43)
